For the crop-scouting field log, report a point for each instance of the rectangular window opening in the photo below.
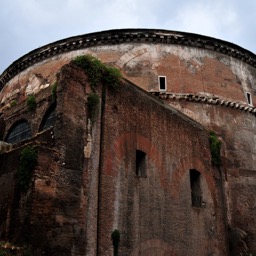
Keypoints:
(196, 193)
(249, 98)
(162, 83)
(141, 164)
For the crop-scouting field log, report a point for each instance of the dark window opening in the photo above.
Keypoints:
(196, 193)
(141, 164)
(19, 132)
(162, 83)
(249, 98)
(49, 118)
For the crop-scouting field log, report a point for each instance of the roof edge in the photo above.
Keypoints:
(119, 36)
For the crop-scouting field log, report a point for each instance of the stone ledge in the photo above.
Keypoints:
(204, 99)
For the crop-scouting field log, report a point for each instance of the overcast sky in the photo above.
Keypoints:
(28, 24)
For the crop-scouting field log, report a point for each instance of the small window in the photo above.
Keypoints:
(20, 131)
(162, 83)
(196, 193)
(249, 98)
(141, 164)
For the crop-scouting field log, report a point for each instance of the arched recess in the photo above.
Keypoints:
(187, 164)
(49, 118)
(18, 132)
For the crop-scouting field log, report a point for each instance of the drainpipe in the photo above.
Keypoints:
(101, 160)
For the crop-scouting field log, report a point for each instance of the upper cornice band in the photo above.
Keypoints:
(119, 36)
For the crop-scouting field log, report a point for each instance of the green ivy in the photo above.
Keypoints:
(13, 103)
(27, 164)
(115, 236)
(215, 146)
(31, 102)
(98, 72)
(93, 101)
(54, 91)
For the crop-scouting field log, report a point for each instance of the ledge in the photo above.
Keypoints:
(205, 100)
(112, 37)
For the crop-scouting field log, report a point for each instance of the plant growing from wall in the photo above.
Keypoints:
(115, 236)
(98, 72)
(13, 103)
(27, 164)
(215, 146)
(31, 102)
(54, 91)
(93, 101)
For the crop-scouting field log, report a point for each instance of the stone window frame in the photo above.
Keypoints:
(249, 98)
(161, 82)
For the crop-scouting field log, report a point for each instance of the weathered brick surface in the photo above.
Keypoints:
(158, 206)
(153, 213)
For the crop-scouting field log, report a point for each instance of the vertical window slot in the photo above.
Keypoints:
(141, 164)
(196, 193)
(162, 83)
(249, 98)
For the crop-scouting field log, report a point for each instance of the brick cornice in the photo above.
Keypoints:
(112, 37)
(205, 100)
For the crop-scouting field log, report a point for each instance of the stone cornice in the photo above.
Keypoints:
(205, 100)
(112, 37)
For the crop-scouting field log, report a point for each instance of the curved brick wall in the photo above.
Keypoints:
(192, 64)
(207, 79)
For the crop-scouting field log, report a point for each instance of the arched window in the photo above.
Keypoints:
(19, 132)
(195, 185)
(49, 118)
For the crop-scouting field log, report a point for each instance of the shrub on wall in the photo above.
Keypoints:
(93, 105)
(54, 91)
(13, 103)
(31, 102)
(27, 164)
(98, 72)
(215, 146)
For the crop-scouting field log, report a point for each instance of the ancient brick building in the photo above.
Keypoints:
(143, 164)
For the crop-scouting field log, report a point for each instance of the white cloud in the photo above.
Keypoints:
(208, 18)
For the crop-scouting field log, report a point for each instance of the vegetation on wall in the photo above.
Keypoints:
(31, 102)
(115, 236)
(98, 72)
(13, 103)
(54, 91)
(215, 146)
(93, 105)
(27, 164)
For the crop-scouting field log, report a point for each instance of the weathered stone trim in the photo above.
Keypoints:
(112, 37)
(205, 99)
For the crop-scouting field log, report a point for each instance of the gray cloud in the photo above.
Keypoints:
(26, 25)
